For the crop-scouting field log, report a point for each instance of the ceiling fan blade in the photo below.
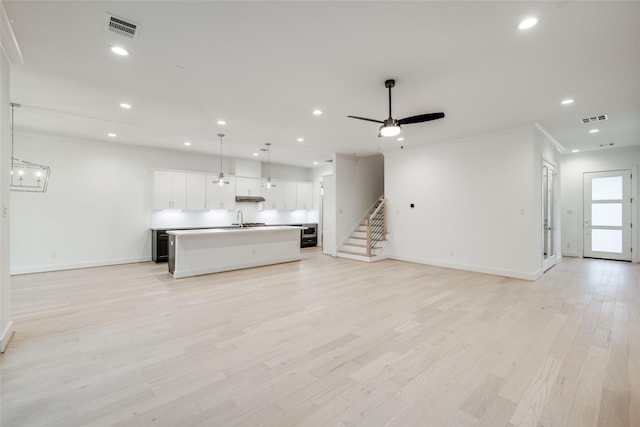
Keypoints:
(420, 118)
(364, 118)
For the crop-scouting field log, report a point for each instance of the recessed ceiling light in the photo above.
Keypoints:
(317, 112)
(567, 101)
(315, 163)
(594, 131)
(221, 122)
(111, 135)
(300, 139)
(527, 23)
(187, 143)
(256, 154)
(575, 150)
(119, 50)
(125, 106)
(401, 139)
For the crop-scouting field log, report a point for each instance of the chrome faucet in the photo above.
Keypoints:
(240, 218)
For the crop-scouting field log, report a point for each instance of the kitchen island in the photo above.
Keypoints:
(204, 251)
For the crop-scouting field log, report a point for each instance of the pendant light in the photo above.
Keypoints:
(268, 185)
(26, 176)
(221, 181)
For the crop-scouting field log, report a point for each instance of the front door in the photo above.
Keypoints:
(607, 215)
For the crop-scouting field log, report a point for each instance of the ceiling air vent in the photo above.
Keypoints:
(122, 27)
(592, 119)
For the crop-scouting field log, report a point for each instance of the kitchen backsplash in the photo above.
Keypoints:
(168, 219)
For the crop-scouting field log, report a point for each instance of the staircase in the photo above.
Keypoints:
(368, 238)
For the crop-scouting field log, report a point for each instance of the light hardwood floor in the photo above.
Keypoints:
(325, 341)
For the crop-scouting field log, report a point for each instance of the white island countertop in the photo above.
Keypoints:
(231, 230)
(204, 251)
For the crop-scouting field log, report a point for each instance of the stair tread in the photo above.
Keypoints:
(357, 253)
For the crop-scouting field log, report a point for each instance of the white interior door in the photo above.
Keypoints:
(548, 215)
(607, 215)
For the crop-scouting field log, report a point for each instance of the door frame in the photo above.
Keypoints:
(551, 261)
(633, 257)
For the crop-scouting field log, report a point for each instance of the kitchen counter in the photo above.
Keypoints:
(204, 251)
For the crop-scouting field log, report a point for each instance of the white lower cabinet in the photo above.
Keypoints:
(220, 197)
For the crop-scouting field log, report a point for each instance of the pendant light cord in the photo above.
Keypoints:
(221, 135)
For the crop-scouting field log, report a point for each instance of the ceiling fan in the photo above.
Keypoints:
(390, 126)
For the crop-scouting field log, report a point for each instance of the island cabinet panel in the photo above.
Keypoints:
(196, 252)
(170, 190)
(195, 196)
(248, 186)
(220, 197)
(304, 196)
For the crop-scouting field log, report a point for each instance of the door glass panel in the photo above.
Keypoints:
(606, 214)
(606, 241)
(607, 188)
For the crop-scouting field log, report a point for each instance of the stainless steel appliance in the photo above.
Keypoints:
(159, 246)
(309, 235)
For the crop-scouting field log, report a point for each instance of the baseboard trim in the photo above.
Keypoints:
(6, 336)
(571, 254)
(60, 267)
(532, 276)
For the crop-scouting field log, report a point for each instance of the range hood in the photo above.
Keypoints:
(254, 199)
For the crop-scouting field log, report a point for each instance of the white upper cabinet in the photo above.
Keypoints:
(290, 196)
(287, 196)
(220, 197)
(195, 191)
(248, 186)
(273, 197)
(304, 196)
(170, 190)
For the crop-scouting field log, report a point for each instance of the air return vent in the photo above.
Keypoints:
(592, 119)
(120, 26)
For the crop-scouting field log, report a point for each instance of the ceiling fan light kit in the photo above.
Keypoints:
(392, 127)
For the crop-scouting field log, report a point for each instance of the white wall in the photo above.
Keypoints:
(329, 215)
(292, 173)
(573, 168)
(477, 204)
(359, 183)
(317, 178)
(6, 324)
(96, 210)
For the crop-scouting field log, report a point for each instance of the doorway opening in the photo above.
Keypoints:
(549, 257)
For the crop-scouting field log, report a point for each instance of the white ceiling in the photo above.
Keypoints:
(264, 66)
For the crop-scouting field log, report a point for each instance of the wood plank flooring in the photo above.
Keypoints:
(325, 342)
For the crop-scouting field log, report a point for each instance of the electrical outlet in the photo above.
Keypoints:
(568, 245)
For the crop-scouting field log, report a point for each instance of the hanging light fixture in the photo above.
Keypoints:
(221, 180)
(268, 185)
(26, 176)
